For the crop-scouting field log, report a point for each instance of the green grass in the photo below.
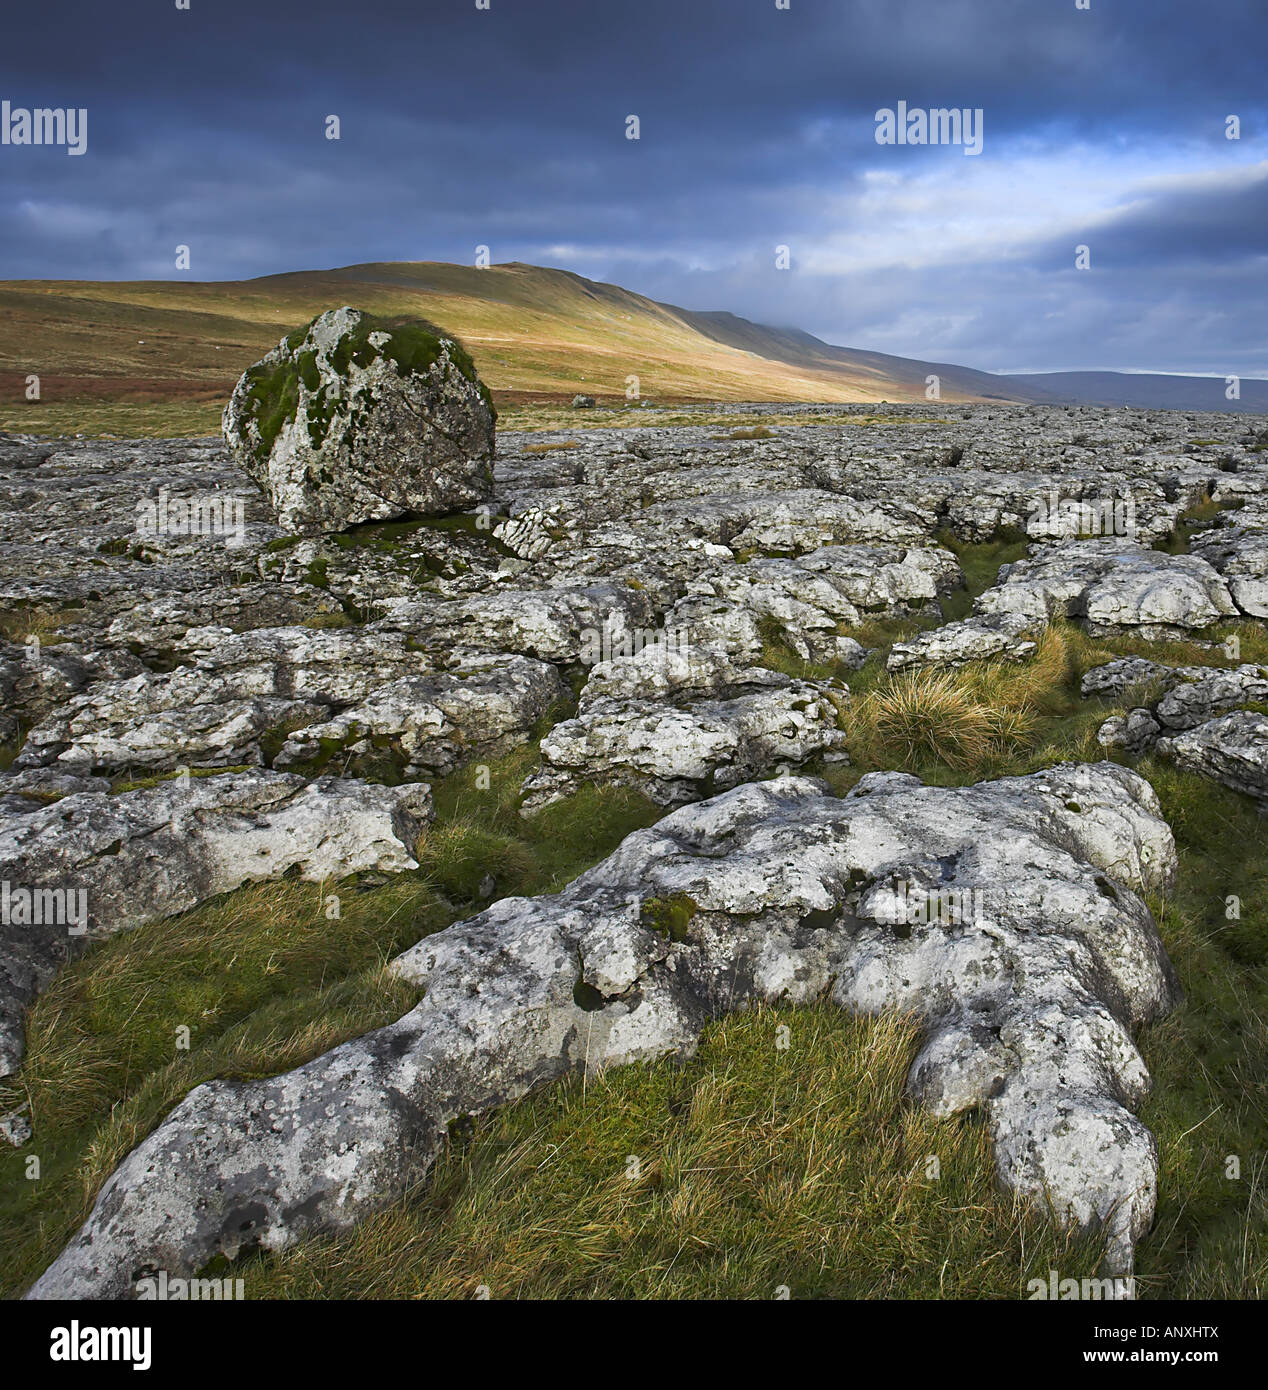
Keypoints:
(981, 565)
(750, 1169)
(1190, 522)
(188, 419)
(531, 332)
(264, 980)
(739, 424)
(479, 830)
(553, 446)
(1209, 1058)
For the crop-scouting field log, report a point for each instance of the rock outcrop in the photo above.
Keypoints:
(1197, 717)
(296, 687)
(1007, 916)
(1112, 586)
(1231, 750)
(679, 752)
(996, 637)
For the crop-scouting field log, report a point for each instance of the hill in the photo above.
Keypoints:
(172, 349)
(530, 330)
(1147, 390)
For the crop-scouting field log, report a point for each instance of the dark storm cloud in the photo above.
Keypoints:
(1212, 223)
(506, 128)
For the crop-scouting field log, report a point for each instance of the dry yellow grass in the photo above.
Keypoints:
(963, 717)
(529, 329)
(21, 624)
(552, 447)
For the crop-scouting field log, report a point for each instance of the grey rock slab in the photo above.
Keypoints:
(1241, 557)
(157, 627)
(1112, 586)
(218, 709)
(1028, 1006)
(674, 669)
(999, 637)
(677, 753)
(810, 597)
(1231, 750)
(1135, 732)
(1194, 719)
(485, 707)
(568, 623)
(1115, 678)
(38, 676)
(1197, 694)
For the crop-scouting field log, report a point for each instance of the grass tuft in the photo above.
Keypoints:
(967, 718)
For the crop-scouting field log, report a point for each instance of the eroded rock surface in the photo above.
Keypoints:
(1113, 586)
(780, 893)
(305, 686)
(158, 616)
(681, 751)
(1231, 750)
(996, 637)
(1197, 716)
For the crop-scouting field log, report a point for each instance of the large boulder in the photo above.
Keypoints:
(355, 419)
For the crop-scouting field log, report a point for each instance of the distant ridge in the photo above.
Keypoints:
(533, 331)
(1149, 391)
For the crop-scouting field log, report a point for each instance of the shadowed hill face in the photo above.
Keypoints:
(528, 329)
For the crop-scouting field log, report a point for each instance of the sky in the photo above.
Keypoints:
(507, 127)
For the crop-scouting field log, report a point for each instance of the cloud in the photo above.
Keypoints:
(506, 128)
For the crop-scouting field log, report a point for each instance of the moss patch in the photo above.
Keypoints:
(670, 917)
